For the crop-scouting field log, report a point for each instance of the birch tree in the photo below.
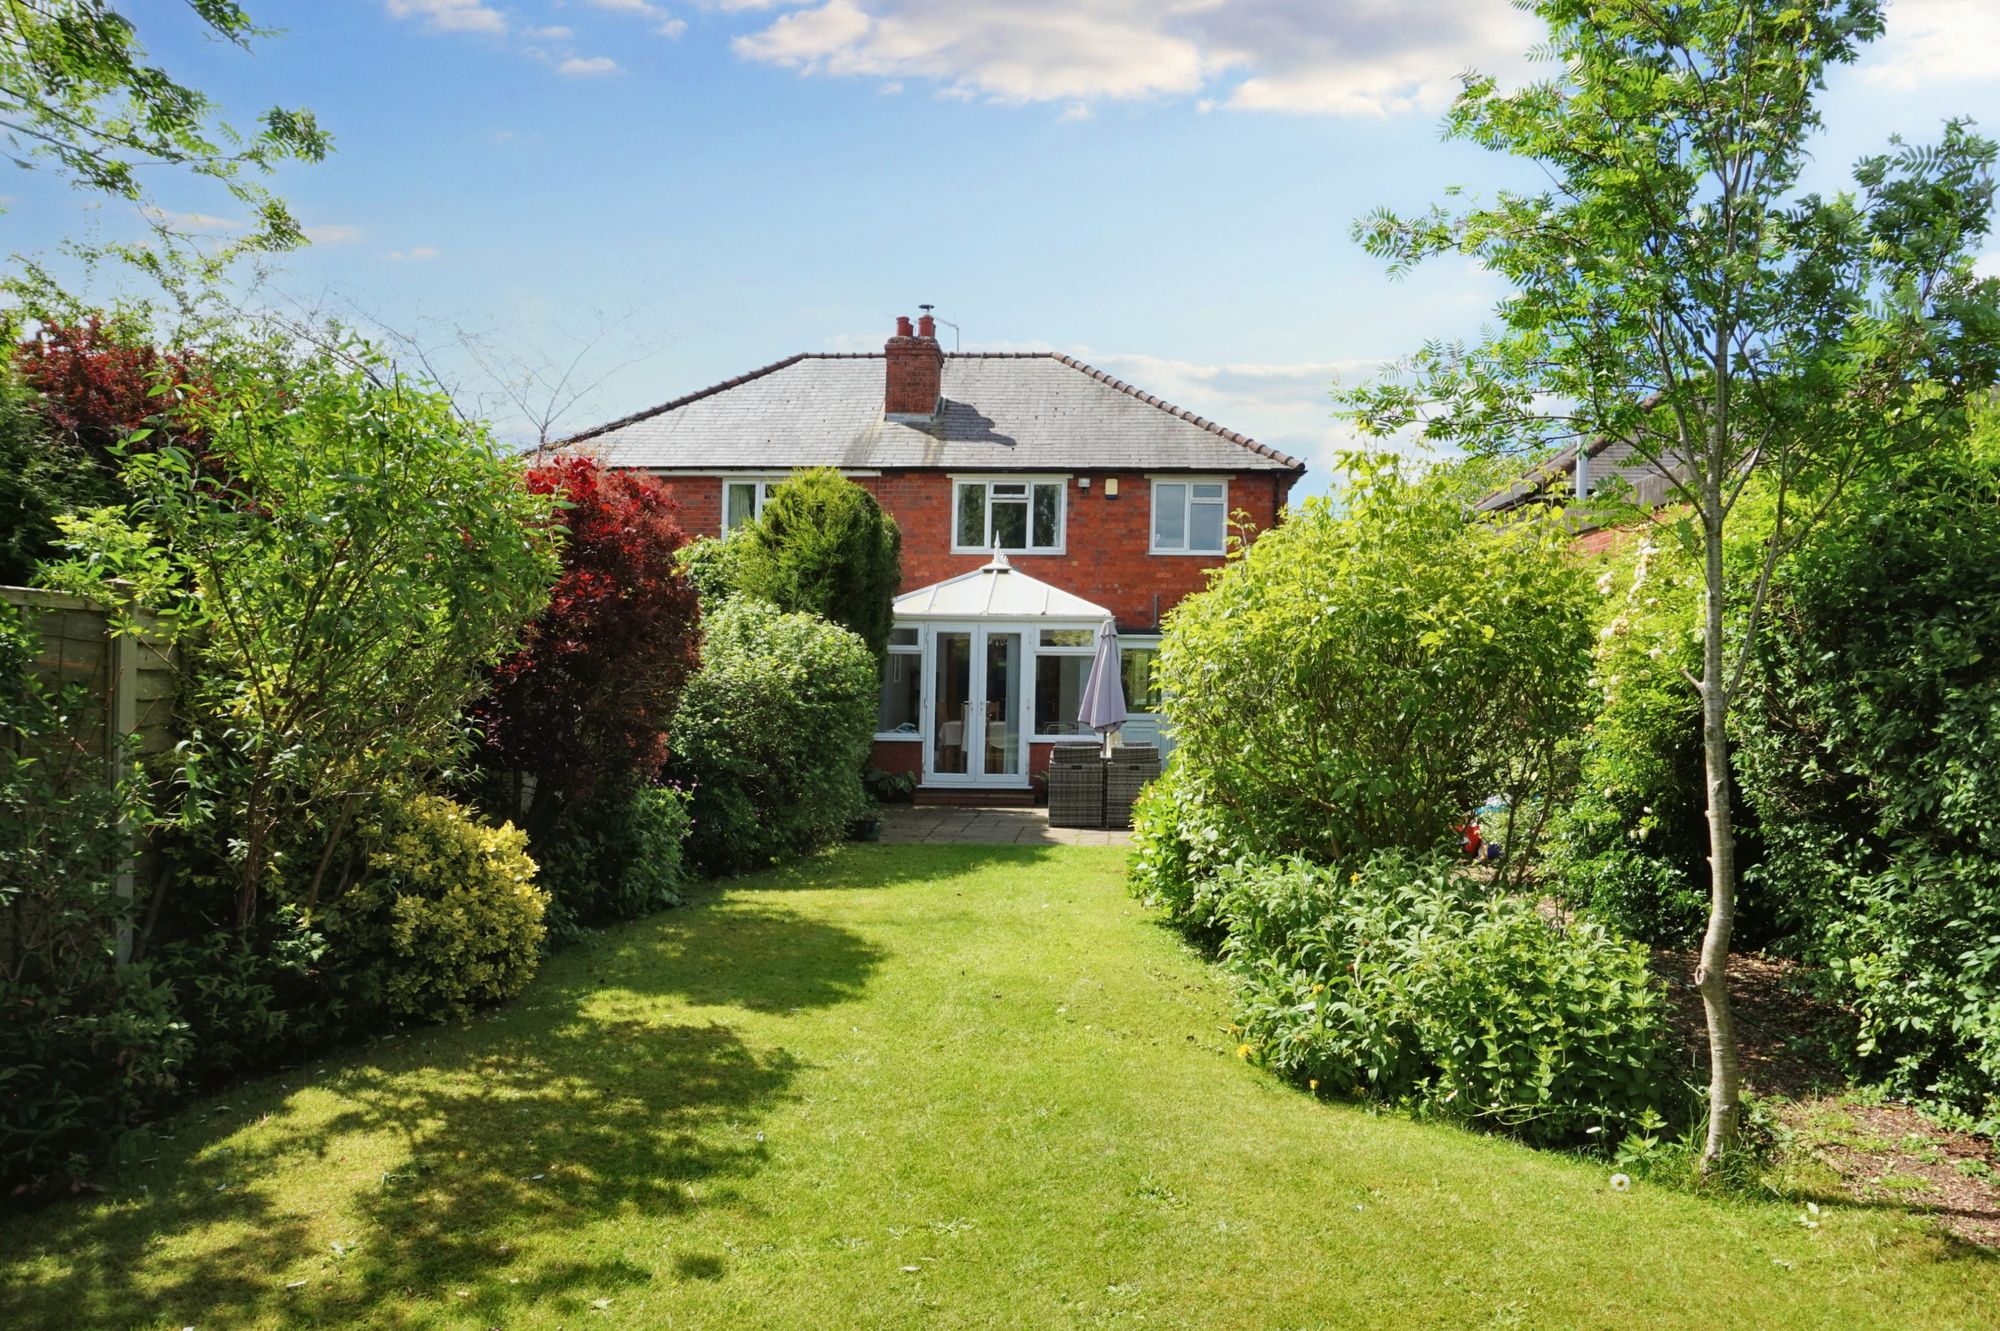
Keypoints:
(1675, 285)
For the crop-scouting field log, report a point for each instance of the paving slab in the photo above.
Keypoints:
(972, 825)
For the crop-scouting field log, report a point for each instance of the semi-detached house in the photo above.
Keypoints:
(1041, 501)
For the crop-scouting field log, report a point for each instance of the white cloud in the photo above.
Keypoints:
(645, 7)
(672, 28)
(1303, 56)
(450, 15)
(553, 33)
(1937, 41)
(589, 67)
(334, 233)
(416, 255)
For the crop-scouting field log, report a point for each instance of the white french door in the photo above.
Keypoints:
(974, 701)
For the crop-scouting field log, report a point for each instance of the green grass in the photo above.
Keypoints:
(921, 1086)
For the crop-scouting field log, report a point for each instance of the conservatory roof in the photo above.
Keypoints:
(995, 590)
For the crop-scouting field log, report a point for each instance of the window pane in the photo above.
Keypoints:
(1010, 523)
(739, 504)
(972, 516)
(1048, 505)
(1169, 516)
(1068, 638)
(1208, 491)
(1059, 682)
(903, 635)
(1137, 665)
(1205, 527)
(1010, 489)
(902, 694)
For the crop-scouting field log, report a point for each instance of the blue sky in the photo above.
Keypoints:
(1162, 188)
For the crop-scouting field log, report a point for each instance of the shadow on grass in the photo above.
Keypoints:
(867, 865)
(460, 1159)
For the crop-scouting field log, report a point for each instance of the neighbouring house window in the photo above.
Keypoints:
(743, 500)
(1142, 694)
(1019, 517)
(900, 715)
(1190, 517)
(1062, 668)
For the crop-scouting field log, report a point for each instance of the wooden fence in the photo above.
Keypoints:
(127, 681)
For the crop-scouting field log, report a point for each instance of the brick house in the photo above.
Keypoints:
(1041, 502)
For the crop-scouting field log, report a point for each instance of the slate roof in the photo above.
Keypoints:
(1002, 411)
(1555, 480)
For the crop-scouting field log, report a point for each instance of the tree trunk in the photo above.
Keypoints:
(1712, 973)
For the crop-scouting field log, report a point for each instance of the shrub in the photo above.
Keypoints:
(81, 1063)
(1871, 753)
(586, 703)
(1180, 846)
(823, 546)
(1367, 673)
(1406, 982)
(616, 858)
(709, 565)
(771, 735)
(446, 908)
(42, 477)
(355, 560)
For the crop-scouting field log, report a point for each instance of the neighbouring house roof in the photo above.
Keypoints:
(995, 590)
(1000, 411)
(1606, 458)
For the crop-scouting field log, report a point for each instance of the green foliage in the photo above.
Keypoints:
(41, 478)
(710, 564)
(1630, 846)
(446, 909)
(1871, 751)
(81, 100)
(353, 556)
(771, 735)
(1367, 673)
(886, 787)
(823, 546)
(80, 1063)
(617, 857)
(1181, 844)
(1407, 982)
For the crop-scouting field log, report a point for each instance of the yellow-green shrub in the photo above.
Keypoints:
(446, 912)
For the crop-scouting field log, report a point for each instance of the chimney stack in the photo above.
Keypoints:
(915, 371)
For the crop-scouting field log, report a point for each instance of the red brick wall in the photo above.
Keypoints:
(1104, 557)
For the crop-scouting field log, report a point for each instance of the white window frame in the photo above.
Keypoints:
(1188, 501)
(1041, 649)
(921, 650)
(989, 481)
(1136, 642)
(764, 484)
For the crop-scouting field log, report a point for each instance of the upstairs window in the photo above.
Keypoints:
(1190, 517)
(1019, 517)
(743, 499)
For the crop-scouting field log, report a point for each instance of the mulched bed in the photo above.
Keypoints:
(1882, 1154)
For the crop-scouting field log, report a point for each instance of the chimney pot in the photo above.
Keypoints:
(927, 327)
(914, 371)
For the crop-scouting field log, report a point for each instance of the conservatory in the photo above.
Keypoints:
(985, 675)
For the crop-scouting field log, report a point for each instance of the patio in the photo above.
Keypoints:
(905, 824)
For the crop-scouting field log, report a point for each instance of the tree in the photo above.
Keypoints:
(76, 96)
(353, 563)
(1674, 287)
(587, 701)
(823, 546)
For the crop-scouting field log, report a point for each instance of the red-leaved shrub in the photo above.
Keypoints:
(586, 703)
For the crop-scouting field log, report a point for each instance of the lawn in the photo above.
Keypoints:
(936, 1086)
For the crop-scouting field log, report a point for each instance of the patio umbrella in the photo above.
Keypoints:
(1103, 707)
